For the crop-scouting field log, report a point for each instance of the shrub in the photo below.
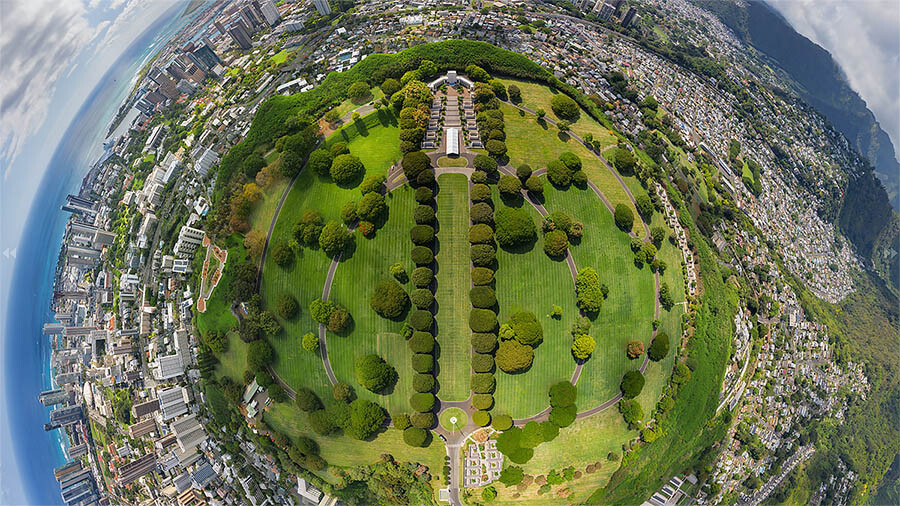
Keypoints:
(571, 161)
(514, 227)
(583, 346)
(320, 310)
(479, 177)
(483, 383)
(414, 436)
(480, 192)
(482, 276)
(635, 348)
(485, 164)
(421, 342)
(422, 255)
(390, 86)
(422, 298)
(424, 195)
(482, 320)
(532, 435)
(523, 172)
(482, 297)
(481, 418)
(422, 420)
(502, 422)
(425, 178)
(310, 342)
(624, 162)
(342, 392)
(509, 186)
(579, 178)
(482, 254)
(422, 402)
(422, 276)
(372, 184)
(421, 319)
(481, 213)
(513, 356)
(286, 306)
(534, 185)
(366, 228)
(259, 355)
(422, 234)
(366, 418)
(307, 400)
(346, 168)
(556, 243)
(334, 238)
(563, 394)
(282, 254)
(423, 215)
(423, 382)
(400, 421)
(681, 375)
(588, 290)
(512, 475)
(632, 384)
(482, 362)
(483, 342)
(374, 373)
(398, 272)
(483, 401)
(564, 107)
(631, 412)
(495, 148)
(549, 431)
(371, 207)
(562, 416)
(481, 234)
(624, 217)
(308, 229)
(389, 299)
(423, 362)
(348, 212)
(559, 174)
(414, 163)
(659, 348)
(526, 328)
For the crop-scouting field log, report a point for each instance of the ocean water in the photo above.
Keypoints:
(27, 352)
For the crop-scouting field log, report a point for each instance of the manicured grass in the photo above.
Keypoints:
(627, 312)
(539, 143)
(345, 451)
(585, 442)
(448, 161)
(375, 139)
(305, 277)
(354, 279)
(281, 57)
(535, 96)
(233, 362)
(217, 403)
(349, 105)
(452, 293)
(528, 280)
(261, 217)
(461, 419)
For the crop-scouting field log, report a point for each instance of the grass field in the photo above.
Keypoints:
(537, 144)
(461, 419)
(262, 214)
(447, 161)
(376, 145)
(348, 104)
(452, 294)
(627, 313)
(345, 451)
(233, 362)
(538, 96)
(282, 56)
(586, 441)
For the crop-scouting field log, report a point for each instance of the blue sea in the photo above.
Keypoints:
(27, 352)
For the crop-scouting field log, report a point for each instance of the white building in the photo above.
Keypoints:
(189, 239)
(205, 161)
(269, 11)
(452, 141)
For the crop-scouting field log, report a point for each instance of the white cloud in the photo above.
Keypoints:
(863, 36)
(39, 40)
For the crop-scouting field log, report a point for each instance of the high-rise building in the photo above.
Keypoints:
(177, 71)
(629, 16)
(270, 12)
(207, 56)
(240, 35)
(604, 10)
(323, 7)
(166, 83)
(616, 4)
(220, 27)
(249, 17)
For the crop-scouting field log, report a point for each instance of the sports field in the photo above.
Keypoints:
(452, 293)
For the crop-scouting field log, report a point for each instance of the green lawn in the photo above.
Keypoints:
(627, 313)
(345, 451)
(261, 217)
(376, 145)
(461, 419)
(233, 362)
(531, 281)
(537, 144)
(537, 96)
(452, 294)
(349, 105)
(447, 161)
(282, 56)
(587, 441)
